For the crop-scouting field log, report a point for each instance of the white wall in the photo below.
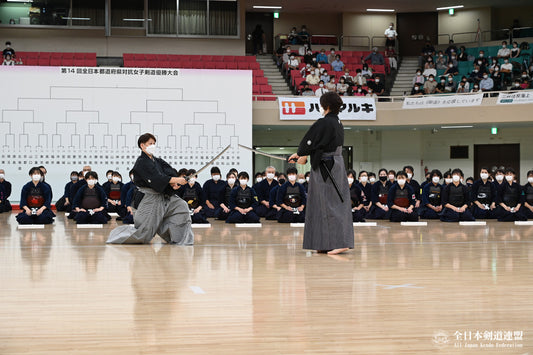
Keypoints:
(463, 21)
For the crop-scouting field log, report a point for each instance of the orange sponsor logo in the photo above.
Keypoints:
(293, 107)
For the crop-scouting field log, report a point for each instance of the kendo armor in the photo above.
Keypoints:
(434, 195)
(243, 198)
(401, 199)
(292, 197)
(35, 199)
(191, 197)
(484, 195)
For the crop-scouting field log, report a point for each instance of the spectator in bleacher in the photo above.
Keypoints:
(476, 75)
(391, 54)
(279, 55)
(331, 55)
(429, 68)
(464, 80)
(309, 58)
(504, 52)
(453, 59)
(418, 78)
(486, 84)
(258, 38)
(451, 70)
(287, 55)
(515, 51)
(497, 78)
(377, 87)
(332, 85)
(342, 87)
(9, 50)
(304, 36)
(322, 57)
(325, 77)
(430, 85)
(441, 86)
(293, 63)
(313, 78)
(493, 65)
(462, 56)
(337, 64)
(416, 90)
(461, 88)
(305, 71)
(476, 88)
(450, 85)
(293, 36)
(8, 60)
(427, 51)
(481, 60)
(303, 50)
(359, 79)
(451, 50)
(348, 79)
(441, 62)
(526, 80)
(359, 91)
(506, 69)
(307, 91)
(390, 35)
(321, 89)
(367, 72)
(516, 85)
(370, 93)
(375, 57)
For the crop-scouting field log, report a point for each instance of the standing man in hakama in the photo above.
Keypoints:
(160, 211)
(328, 219)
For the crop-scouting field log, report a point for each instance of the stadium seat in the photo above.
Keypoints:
(55, 62)
(43, 61)
(67, 62)
(79, 62)
(261, 81)
(31, 61)
(231, 65)
(220, 65)
(258, 72)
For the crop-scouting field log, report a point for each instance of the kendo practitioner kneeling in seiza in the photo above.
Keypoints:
(483, 194)
(402, 200)
(113, 190)
(358, 207)
(456, 200)
(528, 195)
(432, 197)
(158, 210)
(242, 202)
(380, 191)
(89, 205)
(193, 194)
(291, 199)
(509, 200)
(35, 201)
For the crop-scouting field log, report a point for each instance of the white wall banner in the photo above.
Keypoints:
(65, 118)
(308, 108)
(436, 101)
(519, 97)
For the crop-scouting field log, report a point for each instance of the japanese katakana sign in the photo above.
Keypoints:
(308, 108)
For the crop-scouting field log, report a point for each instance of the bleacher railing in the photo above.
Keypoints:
(355, 42)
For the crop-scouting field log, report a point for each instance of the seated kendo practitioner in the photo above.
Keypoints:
(35, 200)
(379, 193)
(273, 199)
(231, 178)
(291, 199)
(64, 204)
(358, 207)
(263, 189)
(409, 170)
(89, 205)
(5, 187)
(214, 189)
(432, 197)
(509, 199)
(401, 200)
(527, 192)
(128, 204)
(483, 194)
(242, 202)
(75, 187)
(113, 190)
(366, 191)
(193, 194)
(456, 200)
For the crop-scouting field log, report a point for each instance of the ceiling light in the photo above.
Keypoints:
(452, 127)
(77, 18)
(450, 7)
(135, 19)
(267, 7)
(19, 0)
(380, 10)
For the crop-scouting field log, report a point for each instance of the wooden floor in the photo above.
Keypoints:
(402, 290)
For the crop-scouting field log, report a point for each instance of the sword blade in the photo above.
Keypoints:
(263, 153)
(213, 160)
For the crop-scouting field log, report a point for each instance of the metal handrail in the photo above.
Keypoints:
(343, 44)
(383, 38)
(483, 37)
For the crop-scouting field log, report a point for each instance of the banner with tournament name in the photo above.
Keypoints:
(308, 108)
(518, 97)
(437, 101)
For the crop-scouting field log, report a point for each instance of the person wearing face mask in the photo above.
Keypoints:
(337, 65)
(409, 171)
(325, 77)
(393, 58)
(516, 85)
(375, 57)
(371, 178)
(43, 178)
(214, 190)
(90, 203)
(366, 190)
(158, 210)
(456, 200)
(462, 56)
(293, 63)
(109, 176)
(504, 51)
(263, 189)
(342, 87)
(306, 183)
(392, 176)
(313, 78)
(291, 199)
(506, 70)
(359, 78)
(401, 200)
(64, 204)
(321, 89)
(390, 35)
(358, 207)
(377, 86)
(274, 196)
(515, 51)
(5, 188)
(486, 84)
(328, 219)
(525, 80)
(417, 90)
(482, 60)
(450, 87)
(126, 197)
(113, 192)
(447, 178)
(231, 183)
(418, 78)
(8, 50)
(441, 86)
(193, 194)
(429, 68)
(431, 197)
(81, 182)
(483, 194)
(301, 179)
(452, 49)
(441, 63)
(499, 177)
(379, 194)
(451, 70)
(243, 200)
(322, 57)
(509, 199)
(35, 200)
(527, 192)
(332, 85)
(331, 55)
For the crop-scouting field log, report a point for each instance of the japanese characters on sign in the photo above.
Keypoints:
(308, 108)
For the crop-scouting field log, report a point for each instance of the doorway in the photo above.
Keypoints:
(496, 156)
(414, 29)
(266, 20)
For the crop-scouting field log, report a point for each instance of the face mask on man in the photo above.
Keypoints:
(364, 179)
(116, 179)
(258, 179)
(216, 177)
(36, 178)
(448, 180)
(509, 178)
(109, 176)
(301, 181)
(401, 182)
(499, 178)
(530, 179)
(192, 180)
(435, 179)
(484, 176)
(231, 181)
(456, 178)
(151, 149)
(392, 177)
(383, 178)
(350, 180)
(243, 182)
(292, 178)
(74, 178)
(409, 175)
(91, 182)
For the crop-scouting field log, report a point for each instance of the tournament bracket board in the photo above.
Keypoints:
(68, 117)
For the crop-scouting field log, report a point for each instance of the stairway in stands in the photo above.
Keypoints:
(272, 73)
(404, 78)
